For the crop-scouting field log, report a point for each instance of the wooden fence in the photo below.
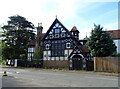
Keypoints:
(108, 64)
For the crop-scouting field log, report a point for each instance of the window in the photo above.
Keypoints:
(57, 48)
(67, 45)
(56, 24)
(76, 33)
(31, 49)
(47, 46)
(57, 30)
(62, 34)
(56, 35)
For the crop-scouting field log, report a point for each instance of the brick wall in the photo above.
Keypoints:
(56, 63)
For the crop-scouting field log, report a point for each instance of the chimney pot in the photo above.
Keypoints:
(39, 24)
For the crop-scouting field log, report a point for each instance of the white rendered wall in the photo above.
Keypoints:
(117, 43)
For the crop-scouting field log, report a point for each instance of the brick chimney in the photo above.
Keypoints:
(39, 37)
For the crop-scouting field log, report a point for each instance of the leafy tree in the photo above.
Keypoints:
(38, 55)
(17, 33)
(100, 43)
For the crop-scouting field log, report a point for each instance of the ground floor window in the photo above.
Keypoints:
(57, 48)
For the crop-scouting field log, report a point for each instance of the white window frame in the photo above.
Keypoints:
(47, 46)
(67, 45)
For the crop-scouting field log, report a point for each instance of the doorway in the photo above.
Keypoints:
(77, 62)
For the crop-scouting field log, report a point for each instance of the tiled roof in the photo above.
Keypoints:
(74, 29)
(33, 42)
(115, 34)
(84, 48)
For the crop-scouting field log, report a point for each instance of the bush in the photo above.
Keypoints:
(115, 54)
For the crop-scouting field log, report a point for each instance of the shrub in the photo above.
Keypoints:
(115, 54)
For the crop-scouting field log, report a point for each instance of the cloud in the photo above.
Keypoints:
(68, 12)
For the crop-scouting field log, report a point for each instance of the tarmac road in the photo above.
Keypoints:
(46, 78)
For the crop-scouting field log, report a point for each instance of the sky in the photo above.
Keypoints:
(81, 13)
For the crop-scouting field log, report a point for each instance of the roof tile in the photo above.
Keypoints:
(115, 34)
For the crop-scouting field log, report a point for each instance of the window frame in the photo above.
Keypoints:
(57, 48)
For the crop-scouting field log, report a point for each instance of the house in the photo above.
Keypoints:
(61, 47)
(35, 44)
(115, 34)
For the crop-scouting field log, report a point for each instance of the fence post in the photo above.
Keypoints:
(94, 63)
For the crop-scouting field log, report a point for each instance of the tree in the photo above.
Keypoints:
(17, 33)
(100, 42)
(38, 58)
(39, 54)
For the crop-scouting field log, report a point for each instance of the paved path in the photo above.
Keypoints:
(46, 78)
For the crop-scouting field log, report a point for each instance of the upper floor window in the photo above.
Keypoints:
(57, 30)
(67, 45)
(62, 34)
(31, 49)
(47, 46)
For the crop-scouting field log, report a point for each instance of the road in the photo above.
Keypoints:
(47, 78)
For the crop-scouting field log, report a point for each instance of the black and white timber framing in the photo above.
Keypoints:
(61, 44)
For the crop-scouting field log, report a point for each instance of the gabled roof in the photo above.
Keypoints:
(74, 29)
(56, 21)
(115, 34)
(82, 49)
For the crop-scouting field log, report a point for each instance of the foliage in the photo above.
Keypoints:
(17, 33)
(38, 55)
(100, 43)
(115, 54)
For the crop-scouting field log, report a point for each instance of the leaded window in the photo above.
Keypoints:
(57, 48)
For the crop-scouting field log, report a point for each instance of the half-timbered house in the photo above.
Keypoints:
(61, 47)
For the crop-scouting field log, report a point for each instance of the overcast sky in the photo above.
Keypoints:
(70, 12)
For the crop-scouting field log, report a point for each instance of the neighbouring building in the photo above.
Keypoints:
(61, 47)
(115, 34)
(35, 44)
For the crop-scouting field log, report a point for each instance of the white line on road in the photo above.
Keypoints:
(102, 78)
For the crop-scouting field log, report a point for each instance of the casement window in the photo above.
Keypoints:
(57, 48)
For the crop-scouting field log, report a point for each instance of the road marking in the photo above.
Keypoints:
(101, 78)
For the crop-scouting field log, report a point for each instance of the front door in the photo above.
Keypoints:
(77, 62)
